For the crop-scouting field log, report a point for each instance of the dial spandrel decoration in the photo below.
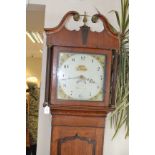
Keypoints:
(81, 76)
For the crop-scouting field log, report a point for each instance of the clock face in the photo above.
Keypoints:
(81, 76)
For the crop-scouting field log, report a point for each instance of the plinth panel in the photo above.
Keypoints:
(71, 140)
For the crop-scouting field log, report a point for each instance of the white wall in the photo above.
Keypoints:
(53, 14)
(55, 9)
(119, 145)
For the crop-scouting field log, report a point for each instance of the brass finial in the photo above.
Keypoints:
(94, 18)
(77, 16)
(85, 18)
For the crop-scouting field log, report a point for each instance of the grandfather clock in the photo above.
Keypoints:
(80, 85)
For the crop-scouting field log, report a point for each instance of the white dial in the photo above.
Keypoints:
(81, 76)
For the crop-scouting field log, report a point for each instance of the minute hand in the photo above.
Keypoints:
(77, 77)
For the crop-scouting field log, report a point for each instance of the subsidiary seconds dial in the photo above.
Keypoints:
(81, 76)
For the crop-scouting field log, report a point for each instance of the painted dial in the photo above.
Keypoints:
(81, 76)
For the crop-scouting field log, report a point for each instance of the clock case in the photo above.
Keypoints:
(79, 125)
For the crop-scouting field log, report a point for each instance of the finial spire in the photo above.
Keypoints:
(85, 18)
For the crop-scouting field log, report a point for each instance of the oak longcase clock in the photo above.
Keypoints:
(80, 85)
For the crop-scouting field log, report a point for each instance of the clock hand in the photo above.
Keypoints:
(81, 78)
(77, 77)
(84, 79)
(90, 80)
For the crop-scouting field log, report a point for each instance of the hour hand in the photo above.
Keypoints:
(90, 80)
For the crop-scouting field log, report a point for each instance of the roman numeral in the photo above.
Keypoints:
(101, 77)
(73, 59)
(83, 57)
(66, 66)
(98, 68)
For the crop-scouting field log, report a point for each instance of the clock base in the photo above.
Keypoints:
(77, 135)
